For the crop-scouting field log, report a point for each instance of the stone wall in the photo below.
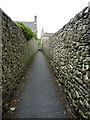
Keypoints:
(17, 53)
(68, 52)
(0, 70)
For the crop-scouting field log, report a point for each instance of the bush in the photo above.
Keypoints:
(27, 31)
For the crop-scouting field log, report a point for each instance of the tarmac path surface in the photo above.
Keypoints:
(40, 97)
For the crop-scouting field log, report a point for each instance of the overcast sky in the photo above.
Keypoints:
(51, 14)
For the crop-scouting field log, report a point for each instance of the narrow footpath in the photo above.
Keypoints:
(40, 97)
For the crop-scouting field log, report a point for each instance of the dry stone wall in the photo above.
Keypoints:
(0, 71)
(17, 53)
(68, 52)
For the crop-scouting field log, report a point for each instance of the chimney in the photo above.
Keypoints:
(35, 19)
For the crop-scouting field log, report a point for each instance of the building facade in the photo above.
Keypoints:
(45, 35)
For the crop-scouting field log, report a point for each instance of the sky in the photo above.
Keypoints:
(52, 15)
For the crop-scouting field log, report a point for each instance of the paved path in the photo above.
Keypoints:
(40, 97)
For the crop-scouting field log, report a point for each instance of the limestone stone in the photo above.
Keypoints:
(69, 48)
(17, 53)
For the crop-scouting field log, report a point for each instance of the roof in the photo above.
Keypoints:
(31, 25)
(48, 34)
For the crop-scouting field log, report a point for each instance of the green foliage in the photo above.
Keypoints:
(27, 32)
(39, 42)
(6, 107)
(35, 36)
